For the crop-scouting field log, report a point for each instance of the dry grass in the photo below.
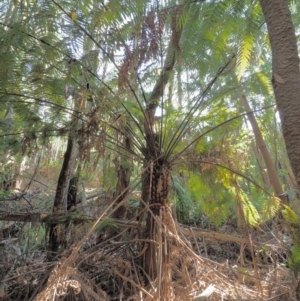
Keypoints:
(107, 266)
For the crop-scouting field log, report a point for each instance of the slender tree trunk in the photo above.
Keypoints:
(286, 75)
(56, 233)
(124, 170)
(9, 170)
(264, 175)
(272, 172)
(73, 190)
(65, 196)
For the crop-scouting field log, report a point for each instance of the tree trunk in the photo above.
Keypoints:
(272, 172)
(124, 170)
(10, 166)
(286, 75)
(73, 190)
(155, 183)
(56, 233)
(293, 182)
(67, 186)
(264, 175)
(156, 260)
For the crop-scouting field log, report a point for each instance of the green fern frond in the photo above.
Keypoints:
(237, 7)
(259, 83)
(197, 186)
(270, 207)
(184, 202)
(183, 18)
(243, 56)
(290, 215)
(248, 37)
(265, 83)
(216, 212)
(294, 260)
(183, 194)
(251, 214)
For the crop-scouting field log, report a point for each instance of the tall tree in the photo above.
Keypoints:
(286, 75)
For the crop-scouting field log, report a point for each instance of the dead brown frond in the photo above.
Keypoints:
(112, 268)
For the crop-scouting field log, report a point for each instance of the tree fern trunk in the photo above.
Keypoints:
(155, 185)
(157, 256)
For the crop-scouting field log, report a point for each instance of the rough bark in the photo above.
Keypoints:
(62, 184)
(270, 166)
(286, 75)
(66, 194)
(66, 190)
(292, 179)
(155, 185)
(124, 173)
(73, 189)
(72, 193)
(60, 197)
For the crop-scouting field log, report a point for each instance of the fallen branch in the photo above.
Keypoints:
(40, 217)
(193, 231)
(62, 217)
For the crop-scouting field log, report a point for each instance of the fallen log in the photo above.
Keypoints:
(62, 217)
(43, 217)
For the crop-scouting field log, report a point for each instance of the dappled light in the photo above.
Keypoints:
(149, 150)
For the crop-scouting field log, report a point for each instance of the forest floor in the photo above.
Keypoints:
(109, 266)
